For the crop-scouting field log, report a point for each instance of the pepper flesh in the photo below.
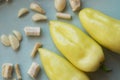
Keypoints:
(77, 47)
(58, 68)
(104, 29)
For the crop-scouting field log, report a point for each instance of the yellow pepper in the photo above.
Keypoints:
(104, 29)
(58, 68)
(76, 46)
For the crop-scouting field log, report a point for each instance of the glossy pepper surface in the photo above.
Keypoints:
(102, 28)
(82, 51)
(58, 68)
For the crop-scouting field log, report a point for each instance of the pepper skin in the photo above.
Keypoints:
(58, 68)
(104, 29)
(82, 51)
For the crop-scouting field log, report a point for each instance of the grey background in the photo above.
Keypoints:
(9, 22)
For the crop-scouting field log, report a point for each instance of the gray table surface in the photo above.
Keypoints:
(9, 22)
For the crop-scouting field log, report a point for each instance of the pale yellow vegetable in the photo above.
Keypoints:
(81, 50)
(58, 68)
(104, 29)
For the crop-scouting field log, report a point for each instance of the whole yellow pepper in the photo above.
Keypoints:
(58, 68)
(102, 28)
(77, 47)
